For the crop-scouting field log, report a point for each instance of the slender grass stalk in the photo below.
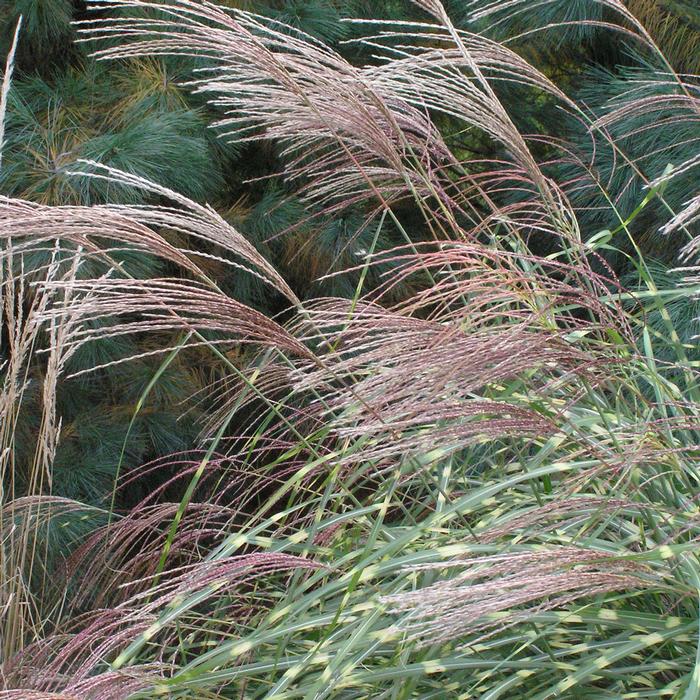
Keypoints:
(7, 82)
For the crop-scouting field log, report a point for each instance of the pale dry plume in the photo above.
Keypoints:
(489, 592)
(353, 134)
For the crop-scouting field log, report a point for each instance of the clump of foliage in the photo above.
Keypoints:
(444, 448)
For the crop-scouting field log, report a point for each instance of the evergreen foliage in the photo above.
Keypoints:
(47, 36)
(651, 119)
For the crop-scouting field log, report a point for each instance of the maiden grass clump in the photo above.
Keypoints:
(471, 474)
